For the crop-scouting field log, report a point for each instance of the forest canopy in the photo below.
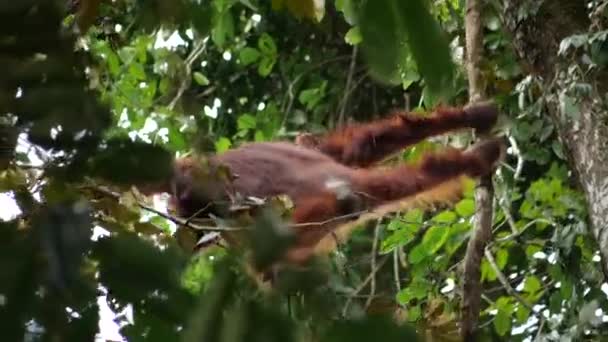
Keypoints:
(98, 97)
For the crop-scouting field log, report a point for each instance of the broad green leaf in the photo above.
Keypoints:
(266, 65)
(259, 136)
(532, 284)
(502, 256)
(249, 55)
(137, 70)
(487, 272)
(566, 289)
(417, 254)
(223, 29)
(246, 122)
(522, 314)
(387, 25)
(418, 289)
(502, 322)
(434, 238)
(445, 217)
(353, 36)
(348, 9)
(555, 302)
(222, 145)
(533, 249)
(465, 207)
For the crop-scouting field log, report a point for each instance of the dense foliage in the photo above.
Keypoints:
(86, 114)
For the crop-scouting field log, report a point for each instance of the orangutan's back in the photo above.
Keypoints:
(275, 168)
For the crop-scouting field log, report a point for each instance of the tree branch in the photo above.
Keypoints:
(484, 193)
(349, 78)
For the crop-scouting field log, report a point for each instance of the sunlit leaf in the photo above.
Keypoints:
(502, 322)
(222, 145)
(532, 284)
(353, 36)
(200, 78)
(465, 207)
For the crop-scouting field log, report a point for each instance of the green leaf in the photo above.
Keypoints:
(266, 45)
(246, 122)
(353, 36)
(502, 322)
(558, 149)
(417, 254)
(418, 289)
(435, 238)
(566, 289)
(446, 216)
(202, 17)
(555, 302)
(522, 314)
(502, 256)
(223, 28)
(266, 65)
(127, 162)
(465, 208)
(249, 55)
(387, 25)
(414, 313)
(137, 70)
(200, 78)
(347, 7)
(259, 136)
(532, 284)
(222, 145)
(487, 272)
(311, 97)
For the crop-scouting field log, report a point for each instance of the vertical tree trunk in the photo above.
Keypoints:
(582, 125)
(484, 194)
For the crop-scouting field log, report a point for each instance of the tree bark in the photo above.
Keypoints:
(537, 35)
(484, 194)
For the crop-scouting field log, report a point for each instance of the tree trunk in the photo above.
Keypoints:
(484, 194)
(582, 124)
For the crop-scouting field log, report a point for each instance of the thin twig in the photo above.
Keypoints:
(363, 284)
(349, 78)
(508, 216)
(331, 220)
(511, 291)
(176, 220)
(520, 232)
(372, 287)
(505, 282)
(198, 49)
(396, 269)
(290, 96)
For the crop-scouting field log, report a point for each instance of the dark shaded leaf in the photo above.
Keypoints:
(127, 162)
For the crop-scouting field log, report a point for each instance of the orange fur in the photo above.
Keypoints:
(332, 194)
